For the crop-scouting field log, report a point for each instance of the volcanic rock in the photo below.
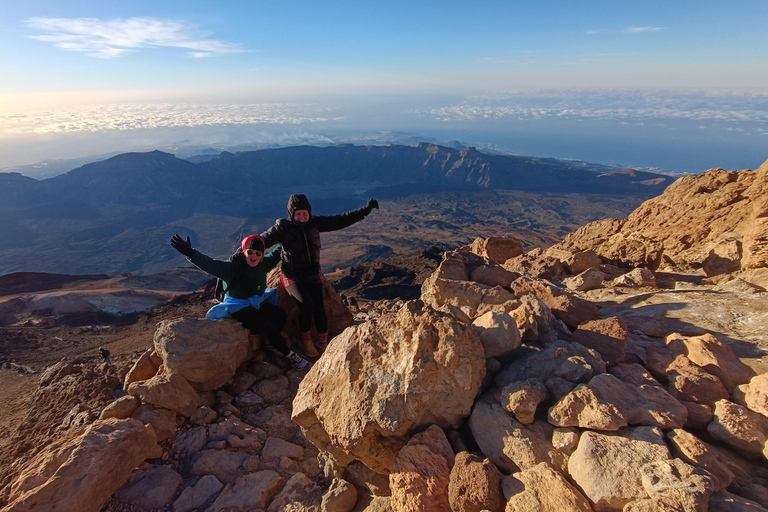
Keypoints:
(205, 352)
(380, 380)
(589, 279)
(81, 474)
(121, 408)
(341, 496)
(522, 397)
(144, 368)
(498, 249)
(570, 309)
(536, 263)
(543, 488)
(475, 485)
(251, 491)
(739, 427)
(498, 333)
(694, 451)
(675, 485)
(713, 356)
(196, 496)
(170, 391)
(151, 489)
(607, 336)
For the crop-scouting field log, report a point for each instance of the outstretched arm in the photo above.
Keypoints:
(224, 270)
(343, 220)
(274, 235)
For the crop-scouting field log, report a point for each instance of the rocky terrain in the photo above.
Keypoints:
(520, 379)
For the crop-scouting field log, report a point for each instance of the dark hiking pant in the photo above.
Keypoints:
(266, 321)
(310, 299)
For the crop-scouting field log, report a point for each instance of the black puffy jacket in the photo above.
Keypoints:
(300, 243)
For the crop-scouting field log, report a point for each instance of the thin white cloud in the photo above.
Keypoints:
(109, 38)
(639, 30)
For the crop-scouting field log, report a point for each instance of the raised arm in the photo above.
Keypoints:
(224, 270)
(275, 234)
(272, 259)
(343, 220)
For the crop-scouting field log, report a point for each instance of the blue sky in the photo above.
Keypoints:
(58, 57)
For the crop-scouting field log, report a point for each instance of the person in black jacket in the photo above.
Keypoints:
(299, 236)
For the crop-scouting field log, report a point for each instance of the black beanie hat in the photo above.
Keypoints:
(252, 242)
(298, 202)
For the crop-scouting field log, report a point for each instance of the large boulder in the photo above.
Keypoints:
(713, 356)
(449, 285)
(675, 485)
(82, 474)
(696, 452)
(756, 396)
(739, 427)
(420, 475)
(151, 489)
(608, 336)
(498, 333)
(144, 368)
(690, 383)
(572, 310)
(381, 380)
(205, 352)
(606, 467)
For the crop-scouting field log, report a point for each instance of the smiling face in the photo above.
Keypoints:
(301, 215)
(253, 257)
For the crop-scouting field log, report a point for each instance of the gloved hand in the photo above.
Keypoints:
(184, 247)
(372, 203)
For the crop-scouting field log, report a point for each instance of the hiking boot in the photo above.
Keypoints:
(309, 347)
(322, 341)
(297, 362)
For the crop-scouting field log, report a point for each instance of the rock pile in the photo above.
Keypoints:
(498, 390)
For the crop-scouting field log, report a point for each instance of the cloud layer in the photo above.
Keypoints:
(109, 38)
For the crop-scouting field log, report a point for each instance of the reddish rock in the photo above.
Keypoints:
(756, 395)
(739, 427)
(475, 485)
(694, 451)
(566, 307)
(537, 264)
(688, 382)
(713, 356)
(699, 415)
(420, 475)
(607, 336)
(542, 488)
(498, 249)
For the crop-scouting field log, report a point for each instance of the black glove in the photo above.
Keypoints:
(184, 247)
(372, 203)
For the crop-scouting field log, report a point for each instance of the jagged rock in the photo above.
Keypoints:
(544, 364)
(121, 408)
(651, 404)
(299, 493)
(723, 258)
(713, 356)
(450, 285)
(237, 433)
(151, 489)
(248, 401)
(558, 387)
(380, 380)
(498, 333)
(589, 279)
(636, 278)
(536, 263)
(341, 496)
(276, 421)
(509, 444)
(565, 440)
(688, 223)
(575, 262)
(498, 249)
(584, 408)
(366, 480)
(754, 492)
(572, 310)
(690, 383)
(727, 502)
(224, 465)
(188, 442)
(694, 451)
(543, 488)
(195, 497)
(535, 321)
(274, 389)
(607, 466)
(419, 476)
(607, 336)
(522, 397)
(646, 325)
(251, 491)
(739, 427)
(205, 352)
(263, 370)
(275, 448)
(475, 485)
(242, 381)
(674, 485)
(756, 395)
(169, 391)
(492, 274)
(339, 315)
(162, 420)
(144, 368)
(203, 416)
(81, 474)
(699, 415)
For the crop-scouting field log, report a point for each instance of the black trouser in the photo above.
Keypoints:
(310, 299)
(268, 320)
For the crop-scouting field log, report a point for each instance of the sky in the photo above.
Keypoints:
(80, 77)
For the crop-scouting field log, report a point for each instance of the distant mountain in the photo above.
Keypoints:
(115, 215)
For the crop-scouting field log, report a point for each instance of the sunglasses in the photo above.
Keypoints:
(253, 252)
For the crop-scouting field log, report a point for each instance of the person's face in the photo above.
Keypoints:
(301, 215)
(253, 257)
